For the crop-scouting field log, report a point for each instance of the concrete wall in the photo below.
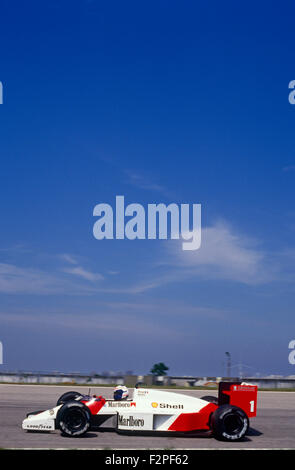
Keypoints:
(60, 378)
(131, 380)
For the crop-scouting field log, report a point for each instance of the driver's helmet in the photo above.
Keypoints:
(121, 393)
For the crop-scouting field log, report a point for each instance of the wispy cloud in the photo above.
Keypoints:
(229, 255)
(28, 280)
(144, 182)
(14, 279)
(68, 258)
(152, 281)
(81, 272)
(224, 254)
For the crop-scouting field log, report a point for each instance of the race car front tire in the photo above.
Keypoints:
(68, 396)
(229, 423)
(73, 419)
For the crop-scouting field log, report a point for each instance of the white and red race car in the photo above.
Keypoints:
(151, 410)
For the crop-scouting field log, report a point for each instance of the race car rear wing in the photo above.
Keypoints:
(239, 394)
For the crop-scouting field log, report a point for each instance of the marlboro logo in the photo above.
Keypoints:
(121, 404)
(130, 421)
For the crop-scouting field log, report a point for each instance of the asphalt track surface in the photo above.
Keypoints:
(273, 428)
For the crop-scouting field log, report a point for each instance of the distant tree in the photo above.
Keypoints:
(159, 369)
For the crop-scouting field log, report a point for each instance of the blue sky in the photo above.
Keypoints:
(159, 102)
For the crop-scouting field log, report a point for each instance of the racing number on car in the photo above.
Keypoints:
(252, 406)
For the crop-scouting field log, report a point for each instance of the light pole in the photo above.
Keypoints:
(228, 364)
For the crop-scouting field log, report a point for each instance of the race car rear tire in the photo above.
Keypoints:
(210, 399)
(68, 396)
(73, 419)
(229, 423)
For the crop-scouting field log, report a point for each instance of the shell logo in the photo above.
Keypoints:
(154, 404)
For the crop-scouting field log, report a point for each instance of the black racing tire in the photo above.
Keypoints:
(229, 423)
(68, 396)
(210, 399)
(73, 419)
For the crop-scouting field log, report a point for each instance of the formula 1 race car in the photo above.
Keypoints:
(151, 410)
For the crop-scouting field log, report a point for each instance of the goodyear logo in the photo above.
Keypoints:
(40, 426)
